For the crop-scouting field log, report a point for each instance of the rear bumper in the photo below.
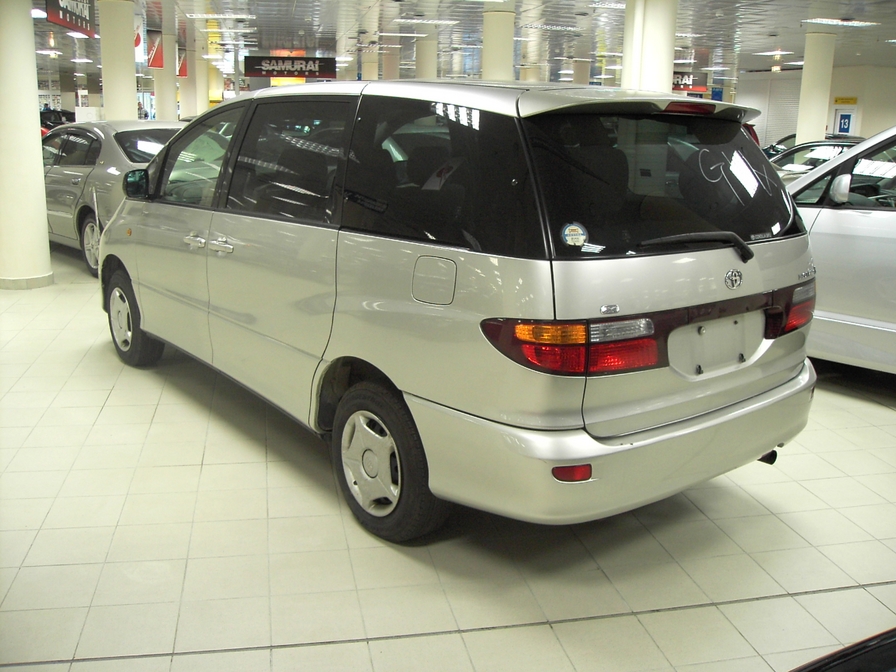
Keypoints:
(507, 470)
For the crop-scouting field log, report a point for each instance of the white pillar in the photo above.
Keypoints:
(530, 73)
(581, 65)
(200, 64)
(188, 83)
(391, 58)
(215, 84)
(370, 64)
(815, 89)
(649, 44)
(117, 52)
(427, 53)
(166, 77)
(24, 245)
(67, 94)
(497, 45)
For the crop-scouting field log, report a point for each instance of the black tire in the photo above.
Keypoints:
(90, 243)
(134, 346)
(374, 426)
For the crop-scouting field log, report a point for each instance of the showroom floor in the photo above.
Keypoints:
(165, 519)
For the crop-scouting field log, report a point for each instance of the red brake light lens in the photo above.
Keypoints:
(575, 473)
(690, 108)
(640, 353)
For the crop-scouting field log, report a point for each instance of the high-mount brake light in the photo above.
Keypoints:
(690, 108)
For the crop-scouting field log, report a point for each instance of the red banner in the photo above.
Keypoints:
(78, 15)
(154, 58)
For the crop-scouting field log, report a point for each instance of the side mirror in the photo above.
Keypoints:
(136, 183)
(839, 193)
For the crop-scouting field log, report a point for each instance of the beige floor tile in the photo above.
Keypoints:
(732, 502)
(116, 435)
(141, 582)
(731, 577)
(656, 586)
(223, 624)
(99, 511)
(850, 615)
(778, 625)
(311, 572)
(233, 476)
(24, 514)
(824, 527)
(229, 661)
(566, 595)
(440, 653)
(229, 537)
(148, 664)
(802, 569)
(825, 440)
(406, 610)
(40, 635)
(859, 463)
(173, 507)
(785, 497)
(751, 664)
(171, 455)
(882, 484)
(316, 617)
(14, 546)
(166, 541)
(843, 492)
(31, 484)
(691, 636)
(226, 577)
(289, 502)
(53, 587)
(128, 629)
(610, 645)
(784, 662)
(352, 657)
(866, 561)
(806, 467)
(392, 566)
(67, 435)
(307, 533)
(621, 540)
(73, 546)
(473, 560)
(70, 417)
(526, 649)
(92, 482)
(690, 540)
(216, 505)
(233, 452)
(126, 415)
(756, 534)
(486, 605)
(157, 480)
(878, 520)
(44, 459)
(886, 595)
(108, 457)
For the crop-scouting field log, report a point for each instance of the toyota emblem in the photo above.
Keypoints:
(733, 279)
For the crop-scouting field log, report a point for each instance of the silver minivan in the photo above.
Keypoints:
(550, 302)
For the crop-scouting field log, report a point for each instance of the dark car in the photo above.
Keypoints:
(875, 654)
(53, 118)
(789, 141)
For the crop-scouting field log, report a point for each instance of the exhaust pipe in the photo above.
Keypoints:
(770, 457)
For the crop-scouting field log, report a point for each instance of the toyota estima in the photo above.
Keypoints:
(550, 302)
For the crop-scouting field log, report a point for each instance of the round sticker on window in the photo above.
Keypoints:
(574, 235)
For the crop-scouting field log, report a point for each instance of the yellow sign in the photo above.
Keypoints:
(846, 101)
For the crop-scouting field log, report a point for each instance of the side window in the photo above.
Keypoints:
(76, 151)
(194, 163)
(441, 173)
(815, 192)
(52, 147)
(873, 183)
(289, 159)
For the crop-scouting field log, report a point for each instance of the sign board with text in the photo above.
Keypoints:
(76, 15)
(292, 66)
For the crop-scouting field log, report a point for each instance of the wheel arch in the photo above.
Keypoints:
(86, 209)
(109, 265)
(340, 376)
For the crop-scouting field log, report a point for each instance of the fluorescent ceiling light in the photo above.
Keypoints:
(608, 54)
(566, 72)
(795, 63)
(565, 79)
(715, 68)
(778, 52)
(80, 74)
(428, 22)
(608, 5)
(227, 30)
(689, 35)
(602, 77)
(38, 13)
(213, 57)
(344, 59)
(546, 26)
(684, 60)
(613, 67)
(851, 23)
(402, 34)
(221, 16)
(49, 52)
(529, 39)
(77, 36)
(82, 60)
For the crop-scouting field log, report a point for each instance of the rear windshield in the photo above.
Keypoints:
(613, 182)
(143, 144)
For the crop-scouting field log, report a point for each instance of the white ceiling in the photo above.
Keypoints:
(723, 33)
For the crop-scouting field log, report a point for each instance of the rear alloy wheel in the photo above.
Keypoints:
(379, 461)
(90, 243)
(134, 346)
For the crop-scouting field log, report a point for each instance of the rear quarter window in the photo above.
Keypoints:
(440, 173)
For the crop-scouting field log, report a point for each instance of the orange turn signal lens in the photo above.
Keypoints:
(552, 333)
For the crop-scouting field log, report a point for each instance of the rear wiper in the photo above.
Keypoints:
(705, 237)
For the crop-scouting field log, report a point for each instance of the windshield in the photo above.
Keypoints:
(612, 182)
(143, 144)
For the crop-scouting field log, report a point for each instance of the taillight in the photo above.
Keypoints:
(790, 309)
(802, 307)
(577, 348)
(575, 473)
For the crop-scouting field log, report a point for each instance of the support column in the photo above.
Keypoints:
(24, 244)
(530, 73)
(215, 84)
(166, 77)
(581, 65)
(188, 83)
(94, 93)
(370, 64)
(427, 53)
(497, 44)
(200, 64)
(117, 52)
(649, 44)
(815, 89)
(67, 93)
(391, 59)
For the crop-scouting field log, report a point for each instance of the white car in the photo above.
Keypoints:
(849, 206)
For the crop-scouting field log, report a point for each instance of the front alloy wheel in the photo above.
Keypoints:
(90, 243)
(120, 323)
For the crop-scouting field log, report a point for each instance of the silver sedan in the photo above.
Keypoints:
(849, 206)
(83, 168)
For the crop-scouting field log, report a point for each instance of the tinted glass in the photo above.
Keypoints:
(52, 145)
(76, 151)
(143, 144)
(289, 160)
(441, 173)
(194, 163)
(872, 183)
(610, 183)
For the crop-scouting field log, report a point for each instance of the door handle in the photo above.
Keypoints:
(220, 245)
(194, 241)
(76, 180)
